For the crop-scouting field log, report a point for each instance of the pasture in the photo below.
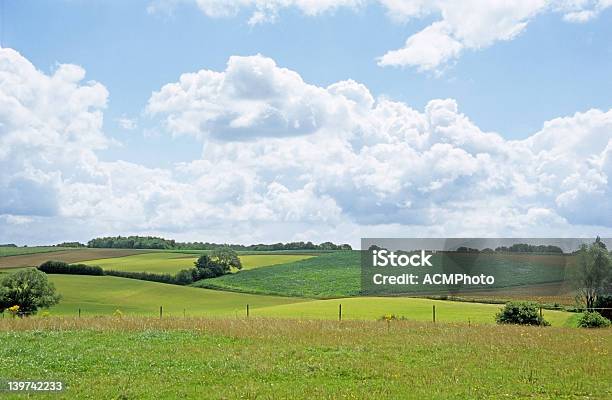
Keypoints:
(103, 295)
(172, 262)
(175, 358)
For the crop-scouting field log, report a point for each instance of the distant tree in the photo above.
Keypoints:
(206, 267)
(226, 258)
(29, 289)
(593, 273)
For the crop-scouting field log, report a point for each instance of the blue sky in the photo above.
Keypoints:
(508, 84)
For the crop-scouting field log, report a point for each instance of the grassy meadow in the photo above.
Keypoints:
(175, 358)
(103, 295)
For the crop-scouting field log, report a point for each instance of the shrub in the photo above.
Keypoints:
(144, 276)
(593, 320)
(185, 276)
(60, 267)
(521, 313)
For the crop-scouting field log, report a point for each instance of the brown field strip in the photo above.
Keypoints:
(71, 256)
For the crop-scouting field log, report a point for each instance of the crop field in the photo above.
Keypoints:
(328, 275)
(16, 251)
(172, 262)
(70, 256)
(174, 358)
(339, 275)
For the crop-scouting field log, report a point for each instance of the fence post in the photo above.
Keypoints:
(339, 312)
(161, 312)
(540, 312)
(434, 313)
(247, 310)
(79, 313)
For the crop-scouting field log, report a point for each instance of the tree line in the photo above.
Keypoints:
(153, 242)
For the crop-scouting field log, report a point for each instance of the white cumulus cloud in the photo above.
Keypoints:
(284, 159)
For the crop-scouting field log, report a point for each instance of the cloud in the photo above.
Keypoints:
(284, 159)
(381, 161)
(463, 25)
(50, 127)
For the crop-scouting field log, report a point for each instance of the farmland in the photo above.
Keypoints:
(339, 275)
(172, 262)
(269, 359)
(16, 251)
(103, 295)
(70, 256)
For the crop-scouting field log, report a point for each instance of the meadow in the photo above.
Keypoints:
(103, 295)
(149, 358)
(172, 262)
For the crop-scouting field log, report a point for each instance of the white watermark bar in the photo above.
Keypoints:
(460, 266)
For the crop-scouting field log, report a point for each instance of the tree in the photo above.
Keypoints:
(593, 273)
(226, 258)
(29, 289)
(206, 267)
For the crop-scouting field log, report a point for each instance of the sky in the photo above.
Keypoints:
(250, 121)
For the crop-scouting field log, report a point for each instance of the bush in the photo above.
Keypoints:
(143, 276)
(593, 320)
(521, 313)
(185, 276)
(60, 267)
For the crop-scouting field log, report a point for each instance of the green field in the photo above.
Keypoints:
(172, 262)
(16, 251)
(339, 274)
(328, 275)
(102, 295)
(96, 295)
(176, 358)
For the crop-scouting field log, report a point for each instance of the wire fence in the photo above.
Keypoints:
(341, 313)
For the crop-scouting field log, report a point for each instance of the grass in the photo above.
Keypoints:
(136, 358)
(16, 251)
(156, 262)
(102, 295)
(172, 262)
(415, 309)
